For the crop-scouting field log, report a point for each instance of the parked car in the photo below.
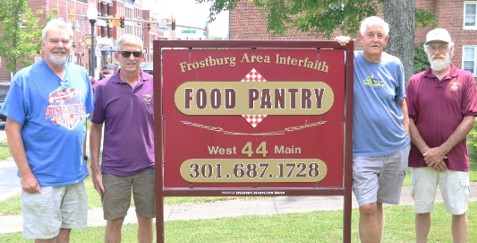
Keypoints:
(146, 67)
(107, 70)
(4, 87)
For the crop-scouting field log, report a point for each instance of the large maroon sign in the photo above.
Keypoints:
(253, 117)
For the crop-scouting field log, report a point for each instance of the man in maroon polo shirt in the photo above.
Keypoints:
(124, 103)
(442, 104)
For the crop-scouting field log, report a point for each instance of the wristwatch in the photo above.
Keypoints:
(85, 157)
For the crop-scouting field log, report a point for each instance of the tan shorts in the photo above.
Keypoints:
(117, 195)
(454, 187)
(54, 208)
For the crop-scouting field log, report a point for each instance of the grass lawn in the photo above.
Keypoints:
(320, 227)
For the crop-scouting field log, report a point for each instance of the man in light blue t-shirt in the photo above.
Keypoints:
(46, 110)
(380, 128)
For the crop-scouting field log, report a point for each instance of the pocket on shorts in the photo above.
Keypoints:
(465, 184)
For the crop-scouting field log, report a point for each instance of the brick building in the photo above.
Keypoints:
(246, 22)
(137, 21)
(459, 17)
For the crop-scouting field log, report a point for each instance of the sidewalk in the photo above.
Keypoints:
(9, 181)
(220, 209)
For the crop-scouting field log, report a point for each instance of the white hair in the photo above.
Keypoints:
(373, 21)
(57, 24)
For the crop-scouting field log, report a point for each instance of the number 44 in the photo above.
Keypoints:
(261, 149)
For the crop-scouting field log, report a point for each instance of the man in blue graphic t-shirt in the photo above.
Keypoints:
(46, 110)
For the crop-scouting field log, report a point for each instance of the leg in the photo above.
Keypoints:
(145, 201)
(64, 236)
(370, 223)
(423, 191)
(380, 218)
(145, 229)
(455, 192)
(46, 241)
(116, 201)
(112, 232)
(423, 224)
(74, 211)
(459, 228)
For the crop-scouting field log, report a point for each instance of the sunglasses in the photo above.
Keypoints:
(127, 54)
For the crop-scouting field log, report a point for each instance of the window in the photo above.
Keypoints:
(77, 26)
(470, 15)
(469, 59)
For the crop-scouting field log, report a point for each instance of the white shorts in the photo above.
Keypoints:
(45, 213)
(454, 187)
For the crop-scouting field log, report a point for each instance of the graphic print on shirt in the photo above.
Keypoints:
(454, 86)
(65, 107)
(371, 81)
(147, 99)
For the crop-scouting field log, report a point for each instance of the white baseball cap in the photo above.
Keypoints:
(438, 34)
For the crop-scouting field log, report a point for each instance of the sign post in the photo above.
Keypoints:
(253, 118)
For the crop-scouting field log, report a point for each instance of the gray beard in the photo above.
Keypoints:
(440, 65)
(57, 60)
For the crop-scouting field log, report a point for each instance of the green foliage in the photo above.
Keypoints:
(21, 33)
(325, 16)
(425, 18)
(472, 145)
(322, 17)
(218, 6)
(18, 29)
(4, 151)
(421, 62)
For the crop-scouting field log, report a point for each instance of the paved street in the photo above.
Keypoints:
(9, 182)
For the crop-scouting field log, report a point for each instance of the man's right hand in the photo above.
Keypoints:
(30, 184)
(343, 40)
(97, 181)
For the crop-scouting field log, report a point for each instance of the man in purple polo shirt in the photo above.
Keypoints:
(442, 104)
(124, 103)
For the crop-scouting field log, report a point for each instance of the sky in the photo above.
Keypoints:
(188, 12)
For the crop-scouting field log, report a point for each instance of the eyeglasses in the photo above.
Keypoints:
(379, 35)
(127, 54)
(440, 47)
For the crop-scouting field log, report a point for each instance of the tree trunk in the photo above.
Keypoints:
(400, 15)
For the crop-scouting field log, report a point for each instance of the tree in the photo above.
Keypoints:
(328, 16)
(401, 18)
(20, 37)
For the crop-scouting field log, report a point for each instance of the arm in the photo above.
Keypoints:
(15, 144)
(456, 137)
(436, 162)
(405, 120)
(95, 133)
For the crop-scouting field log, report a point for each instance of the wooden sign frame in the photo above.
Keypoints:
(206, 143)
